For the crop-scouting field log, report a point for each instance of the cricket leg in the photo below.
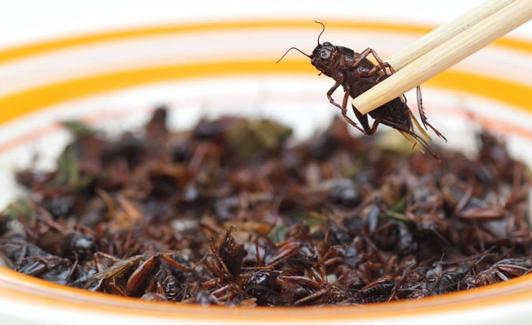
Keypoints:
(344, 113)
(358, 59)
(343, 108)
(333, 89)
(381, 65)
(422, 115)
(363, 119)
(420, 109)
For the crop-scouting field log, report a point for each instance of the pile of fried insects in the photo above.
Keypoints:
(236, 212)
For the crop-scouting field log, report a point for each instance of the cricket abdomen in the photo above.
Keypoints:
(394, 113)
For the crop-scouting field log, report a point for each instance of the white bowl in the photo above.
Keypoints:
(112, 80)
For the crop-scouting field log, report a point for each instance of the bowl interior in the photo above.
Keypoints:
(206, 69)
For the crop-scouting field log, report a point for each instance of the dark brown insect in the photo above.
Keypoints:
(231, 253)
(356, 74)
(502, 270)
(127, 277)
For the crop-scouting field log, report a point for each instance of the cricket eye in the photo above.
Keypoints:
(325, 54)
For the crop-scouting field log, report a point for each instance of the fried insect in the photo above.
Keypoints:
(232, 254)
(356, 74)
(130, 277)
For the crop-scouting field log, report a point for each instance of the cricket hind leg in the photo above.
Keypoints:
(422, 115)
(363, 119)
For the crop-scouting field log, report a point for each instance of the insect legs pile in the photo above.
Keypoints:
(235, 211)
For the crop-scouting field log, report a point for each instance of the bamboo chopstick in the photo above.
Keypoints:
(446, 55)
(445, 32)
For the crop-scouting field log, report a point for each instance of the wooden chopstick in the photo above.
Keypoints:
(445, 32)
(446, 55)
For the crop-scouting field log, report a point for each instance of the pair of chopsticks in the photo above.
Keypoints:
(444, 47)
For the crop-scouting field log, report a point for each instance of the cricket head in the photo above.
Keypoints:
(323, 56)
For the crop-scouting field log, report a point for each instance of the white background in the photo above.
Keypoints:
(29, 20)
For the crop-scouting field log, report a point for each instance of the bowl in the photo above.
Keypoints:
(113, 79)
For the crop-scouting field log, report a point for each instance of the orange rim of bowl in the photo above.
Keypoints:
(22, 51)
(34, 99)
(25, 288)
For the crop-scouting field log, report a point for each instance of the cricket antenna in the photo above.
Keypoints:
(322, 30)
(292, 48)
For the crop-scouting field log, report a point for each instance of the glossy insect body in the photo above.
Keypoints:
(356, 74)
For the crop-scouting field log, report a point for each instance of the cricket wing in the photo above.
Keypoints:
(418, 127)
(415, 139)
